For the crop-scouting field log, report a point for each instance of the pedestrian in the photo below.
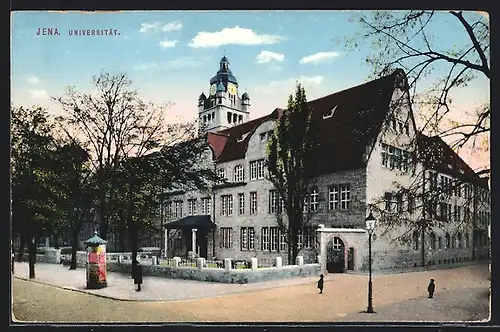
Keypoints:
(320, 284)
(138, 276)
(431, 288)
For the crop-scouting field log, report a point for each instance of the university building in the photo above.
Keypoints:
(369, 148)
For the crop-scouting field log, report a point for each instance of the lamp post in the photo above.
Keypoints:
(370, 226)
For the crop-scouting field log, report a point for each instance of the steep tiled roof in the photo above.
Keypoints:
(356, 117)
(437, 155)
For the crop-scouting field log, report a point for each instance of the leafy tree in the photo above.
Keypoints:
(33, 199)
(291, 160)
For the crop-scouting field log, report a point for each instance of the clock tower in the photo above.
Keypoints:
(223, 107)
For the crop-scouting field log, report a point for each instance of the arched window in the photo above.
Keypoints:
(337, 243)
(466, 240)
(433, 241)
(459, 239)
(447, 240)
(453, 241)
(415, 240)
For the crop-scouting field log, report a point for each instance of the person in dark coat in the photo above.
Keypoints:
(431, 288)
(320, 284)
(138, 276)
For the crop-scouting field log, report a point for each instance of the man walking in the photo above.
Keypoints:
(320, 284)
(431, 288)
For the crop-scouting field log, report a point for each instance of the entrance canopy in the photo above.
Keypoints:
(191, 222)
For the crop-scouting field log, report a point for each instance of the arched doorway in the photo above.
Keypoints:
(335, 255)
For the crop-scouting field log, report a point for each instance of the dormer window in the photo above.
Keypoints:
(242, 138)
(263, 137)
(329, 115)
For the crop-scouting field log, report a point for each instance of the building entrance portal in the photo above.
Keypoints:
(335, 259)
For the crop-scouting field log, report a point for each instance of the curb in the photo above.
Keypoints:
(85, 292)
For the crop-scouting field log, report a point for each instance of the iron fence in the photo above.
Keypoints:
(216, 264)
(266, 262)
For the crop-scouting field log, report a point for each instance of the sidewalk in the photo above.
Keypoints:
(121, 287)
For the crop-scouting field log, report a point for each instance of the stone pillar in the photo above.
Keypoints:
(279, 262)
(227, 264)
(322, 246)
(165, 245)
(177, 260)
(154, 260)
(193, 240)
(47, 242)
(199, 263)
(299, 261)
(254, 263)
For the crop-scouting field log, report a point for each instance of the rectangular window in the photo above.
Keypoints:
(261, 166)
(226, 205)
(221, 173)
(455, 213)
(407, 129)
(392, 157)
(394, 125)
(253, 202)
(247, 238)
(388, 202)
(282, 244)
(264, 236)
(168, 210)
(274, 238)
(309, 237)
(385, 155)
(440, 242)
(314, 201)
(206, 205)
(239, 173)
(449, 212)
(281, 205)
(253, 170)
(192, 207)
(241, 203)
(411, 203)
(263, 137)
(333, 198)
(399, 203)
(300, 239)
(272, 201)
(398, 158)
(345, 197)
(226, 237)
(178, 209)
(459, 213)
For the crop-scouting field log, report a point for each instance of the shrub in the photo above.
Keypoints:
(66, 250)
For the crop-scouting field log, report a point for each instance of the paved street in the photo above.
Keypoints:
(461, 294)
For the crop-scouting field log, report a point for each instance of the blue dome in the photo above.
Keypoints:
(224, 74)
(221, 87)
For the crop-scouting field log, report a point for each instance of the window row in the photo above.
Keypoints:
(400, 127)
(395, 158)
(399, 202)
(174, 209)
(272, 239)
(257, 172)
(452, 187)
(450, 242)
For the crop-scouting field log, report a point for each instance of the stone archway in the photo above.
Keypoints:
(335, 255)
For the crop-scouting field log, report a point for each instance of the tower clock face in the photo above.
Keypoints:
(213, 87)
(232, 89)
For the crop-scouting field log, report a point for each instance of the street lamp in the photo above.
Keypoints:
(370, 226)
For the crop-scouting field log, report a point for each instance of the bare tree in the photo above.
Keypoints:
(407, 40)
(112, 120)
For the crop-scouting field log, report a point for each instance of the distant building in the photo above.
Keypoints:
(364, 153)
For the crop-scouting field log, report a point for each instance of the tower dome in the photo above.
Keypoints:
(221, 87)
(224, 74)
(245, 96)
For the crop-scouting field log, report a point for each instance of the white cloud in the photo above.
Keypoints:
(319, 57)
(287, 86)
(168, 43)
(159, 26)
(232, 36)
(32, 79)
(38, 93)
(267, 56)
(179, 63)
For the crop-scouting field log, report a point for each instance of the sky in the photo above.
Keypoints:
(171, 56)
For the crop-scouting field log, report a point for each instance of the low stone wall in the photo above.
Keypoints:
(230, 276)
